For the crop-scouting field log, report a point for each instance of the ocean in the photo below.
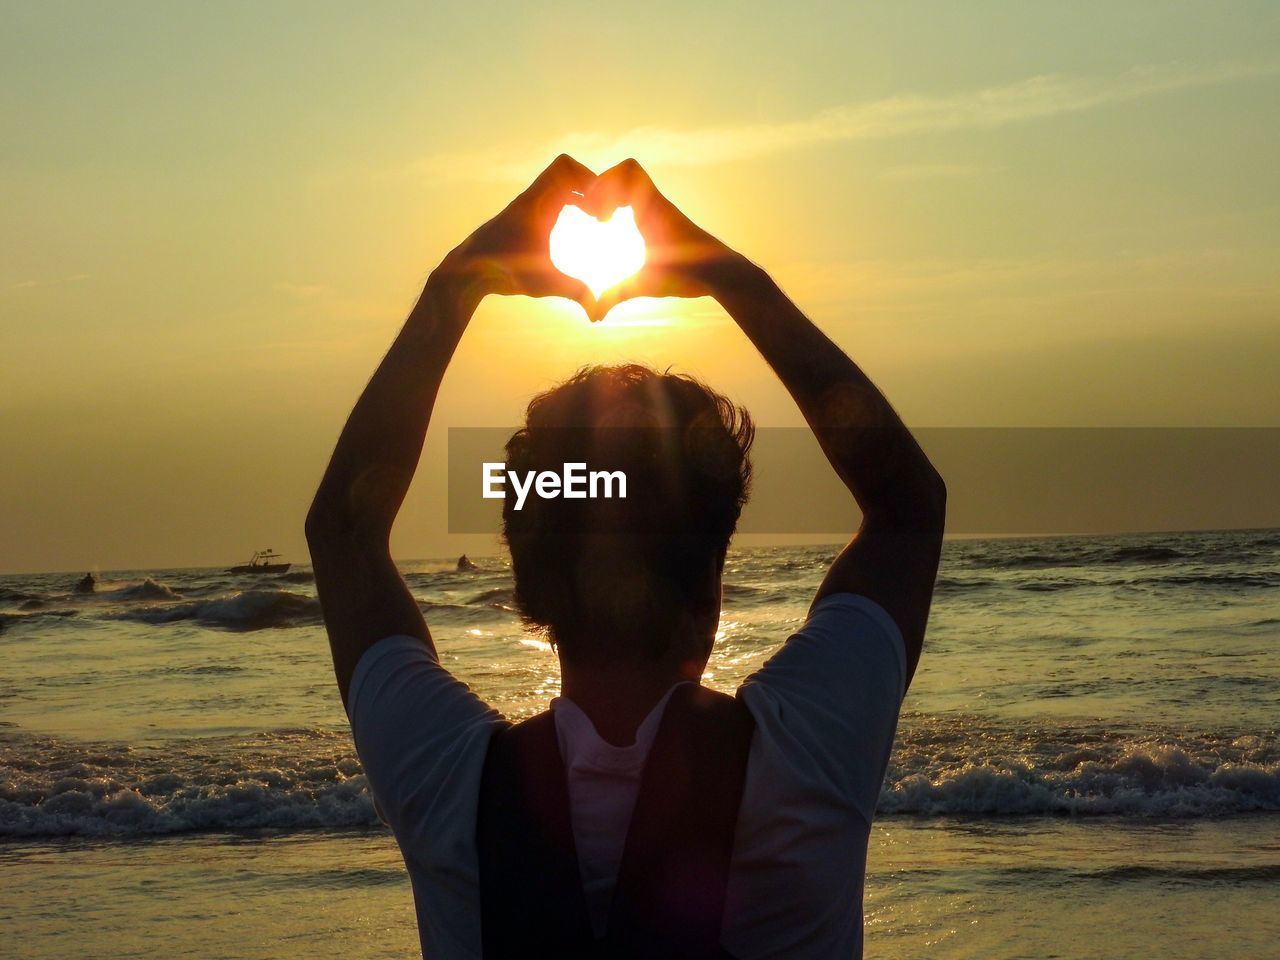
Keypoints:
(1087, 763)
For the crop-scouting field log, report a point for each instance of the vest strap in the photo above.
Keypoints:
(670, 896)
(531, 898)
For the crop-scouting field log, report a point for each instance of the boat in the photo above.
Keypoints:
(260, 562)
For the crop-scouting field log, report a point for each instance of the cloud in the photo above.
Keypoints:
(300, 291)
(48, 282)
(1030, 99)
(938, 171)
(1190, 278)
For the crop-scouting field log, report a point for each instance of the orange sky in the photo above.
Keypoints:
(215, 219)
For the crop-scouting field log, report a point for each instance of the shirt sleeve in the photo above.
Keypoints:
(831, 695)
(421, 735)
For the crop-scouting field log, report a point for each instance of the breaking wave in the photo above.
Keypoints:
(286, 781)
(310, 779)
(147, 589)
(498, 597)
(250, 610)
(974, 770)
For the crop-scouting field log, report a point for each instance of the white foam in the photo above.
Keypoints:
(295, 780)
(1137, 778)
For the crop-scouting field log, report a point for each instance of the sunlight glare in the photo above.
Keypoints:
(600, 253)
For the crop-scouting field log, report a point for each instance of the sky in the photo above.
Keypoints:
(215, 217)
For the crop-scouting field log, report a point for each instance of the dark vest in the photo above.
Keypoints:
(669, 900)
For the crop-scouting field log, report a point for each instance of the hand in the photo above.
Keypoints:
(510, 254)
(681, 259)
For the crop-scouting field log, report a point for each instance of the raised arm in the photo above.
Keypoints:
(349, 525)
(893, 558)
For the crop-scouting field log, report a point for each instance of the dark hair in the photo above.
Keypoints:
(605, 575)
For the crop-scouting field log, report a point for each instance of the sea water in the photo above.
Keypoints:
(1087, 763)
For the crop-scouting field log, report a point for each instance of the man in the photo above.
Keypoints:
(630, 595)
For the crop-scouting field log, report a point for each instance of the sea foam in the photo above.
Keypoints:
(299, 780)
(962, 766)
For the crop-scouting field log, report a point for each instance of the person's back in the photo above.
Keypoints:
(824, 709)
(628, 591)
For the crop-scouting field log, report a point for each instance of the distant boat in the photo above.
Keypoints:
(260, 562)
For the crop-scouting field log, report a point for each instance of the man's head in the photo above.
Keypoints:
(625, 579)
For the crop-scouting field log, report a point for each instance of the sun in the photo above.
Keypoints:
(600, 253)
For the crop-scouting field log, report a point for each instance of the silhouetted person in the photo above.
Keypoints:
(643, 815)
(86, 584)
(466, 564)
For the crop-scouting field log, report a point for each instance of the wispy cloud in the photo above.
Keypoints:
(1008, 285)
(300, 291)
(938, 171)
(1030, 99)
(48, 281)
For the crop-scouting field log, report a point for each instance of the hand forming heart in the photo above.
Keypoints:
(681, 258)
(547, 244)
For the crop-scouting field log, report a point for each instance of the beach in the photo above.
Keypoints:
(1087, 762)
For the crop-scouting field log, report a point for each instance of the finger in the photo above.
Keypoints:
(625, 184)
(552, 283)
(563, 177)
(577, 290)
(626, 290)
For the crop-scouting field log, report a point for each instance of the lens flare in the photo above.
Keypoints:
(600, 253)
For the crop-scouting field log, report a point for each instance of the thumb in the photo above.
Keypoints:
(613, 296)
(573, 289)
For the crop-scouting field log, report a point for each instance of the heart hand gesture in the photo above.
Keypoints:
(510, 253)
(681, 259)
